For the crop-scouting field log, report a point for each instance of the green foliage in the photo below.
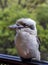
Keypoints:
(42, 16)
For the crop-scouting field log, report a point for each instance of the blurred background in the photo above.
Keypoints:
(11, 10)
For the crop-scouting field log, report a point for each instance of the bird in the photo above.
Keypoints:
(26, 39)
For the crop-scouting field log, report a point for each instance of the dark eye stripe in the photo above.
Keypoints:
(31, 27)
(25, 25)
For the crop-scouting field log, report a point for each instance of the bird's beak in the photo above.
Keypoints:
(15, 27)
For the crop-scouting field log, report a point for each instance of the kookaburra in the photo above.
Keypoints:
(26, 38)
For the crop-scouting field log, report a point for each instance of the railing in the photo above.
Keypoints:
(14, 60)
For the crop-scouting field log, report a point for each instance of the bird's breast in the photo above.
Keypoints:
(24, 43)
(25, 39)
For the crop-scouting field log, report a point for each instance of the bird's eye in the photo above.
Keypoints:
(23, 24)
(31, 27)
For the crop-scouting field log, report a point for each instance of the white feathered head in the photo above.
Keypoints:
(25, 23)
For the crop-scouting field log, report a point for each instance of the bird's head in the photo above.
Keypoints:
(24, 23)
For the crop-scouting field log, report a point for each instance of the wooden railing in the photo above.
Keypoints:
(15, 60)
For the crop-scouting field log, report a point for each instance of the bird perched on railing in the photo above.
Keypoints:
(26, 39)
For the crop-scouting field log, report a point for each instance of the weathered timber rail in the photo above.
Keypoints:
(15, 60)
